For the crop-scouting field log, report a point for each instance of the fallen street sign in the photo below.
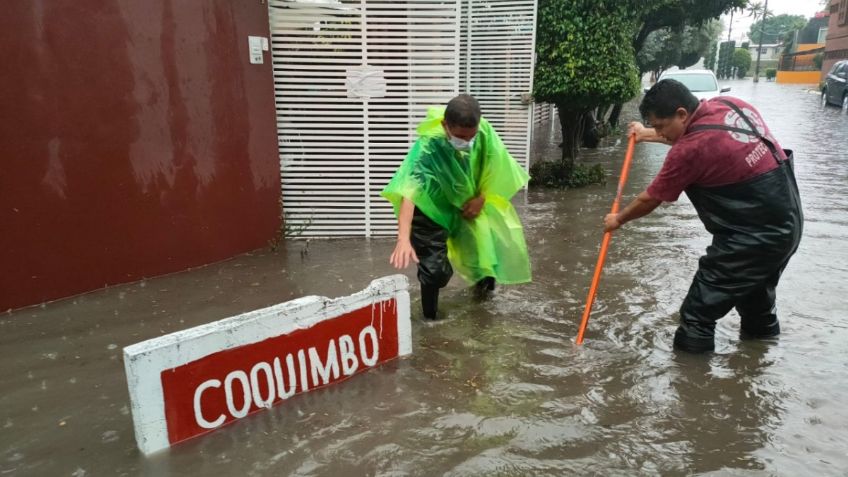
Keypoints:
(192, 382)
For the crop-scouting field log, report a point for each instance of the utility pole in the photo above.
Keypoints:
(760, 48)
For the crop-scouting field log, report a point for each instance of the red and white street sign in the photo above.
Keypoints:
(194, 381)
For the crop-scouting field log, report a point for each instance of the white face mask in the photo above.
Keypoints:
(462, 144)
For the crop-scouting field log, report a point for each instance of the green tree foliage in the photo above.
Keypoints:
(585, 59)
(666, 48)
(661, 50)
(653, 15)
(710, 60)
(741, 62)
(776, 29)
(697, 41)
(757, 10)
(586, 53)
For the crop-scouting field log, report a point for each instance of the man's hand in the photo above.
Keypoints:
(642, 133)
(641, 206)
(645, 134)
(611, 222)
(403, 254)
(472, 208)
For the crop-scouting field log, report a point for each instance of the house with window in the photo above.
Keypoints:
(836, 39)
(800, 63)
(768, 52)
(815, 32)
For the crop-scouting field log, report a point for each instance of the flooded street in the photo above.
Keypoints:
(497, 388)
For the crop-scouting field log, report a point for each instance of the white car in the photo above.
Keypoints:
(702, 83)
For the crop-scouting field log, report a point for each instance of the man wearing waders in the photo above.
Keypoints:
(451, 196)
(743, 187)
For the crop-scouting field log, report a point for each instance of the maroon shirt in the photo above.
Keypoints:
(713, 157)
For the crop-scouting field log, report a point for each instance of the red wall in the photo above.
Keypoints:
(135, 140)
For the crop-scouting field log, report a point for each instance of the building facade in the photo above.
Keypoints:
(767, 52)
(836, 42)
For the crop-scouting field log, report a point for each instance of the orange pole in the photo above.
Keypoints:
(596, 279)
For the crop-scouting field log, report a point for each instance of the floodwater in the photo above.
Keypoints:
(497, 388)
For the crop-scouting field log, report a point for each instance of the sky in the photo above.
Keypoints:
(742, 22)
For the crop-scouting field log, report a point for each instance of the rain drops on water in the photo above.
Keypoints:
(109, 436)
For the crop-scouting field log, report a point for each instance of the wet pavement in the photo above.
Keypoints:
(497, 388)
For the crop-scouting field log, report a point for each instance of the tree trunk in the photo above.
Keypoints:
(614, 115)
(642, 36)
(601, 120)
(602, 111)
(591, 135)
(571, 125)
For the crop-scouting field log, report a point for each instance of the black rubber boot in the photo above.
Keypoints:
(759, 314)
(430, 301)
(484, 287)
(756, 333)
(691, 344)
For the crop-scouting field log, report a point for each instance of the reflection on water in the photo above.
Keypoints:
(497, 388)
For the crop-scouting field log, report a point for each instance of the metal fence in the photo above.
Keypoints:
(800, 60)
(354, 77)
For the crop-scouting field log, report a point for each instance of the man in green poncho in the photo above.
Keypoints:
(451, 196)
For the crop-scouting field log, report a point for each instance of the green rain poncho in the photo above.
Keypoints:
(439, 180)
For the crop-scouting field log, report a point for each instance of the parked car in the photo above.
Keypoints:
(702, 83)
(836, 86)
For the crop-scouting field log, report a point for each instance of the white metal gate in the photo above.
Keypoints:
(338, 152)
(497, 56)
